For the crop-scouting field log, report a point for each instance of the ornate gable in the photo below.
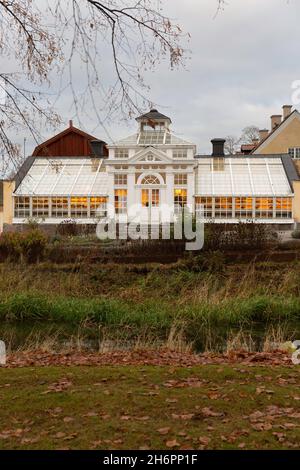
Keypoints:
(149, 155)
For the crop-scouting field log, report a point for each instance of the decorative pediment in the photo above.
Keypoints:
(149, 155)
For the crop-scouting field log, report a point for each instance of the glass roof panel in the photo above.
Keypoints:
(279, 180)
(100, 186)
(222, 183)
(66, 179)
(204, 181)
(151, 137)
(260, 177)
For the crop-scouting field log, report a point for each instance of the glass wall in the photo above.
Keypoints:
(79, 207)
(264, 208)
(205, 205)
(284, 208)
(223, 207)
(40, 207)
(60, 207)
(121, 201)
(245, 207)
(97, 207)
(180, 199)
(22, 207)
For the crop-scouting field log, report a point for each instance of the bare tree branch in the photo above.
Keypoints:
(115, 42)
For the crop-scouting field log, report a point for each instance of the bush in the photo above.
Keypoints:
(248, 235)
(211, 262)
(10, 246)
(68, 228)
(33, 244)
(29, 245)
(296, 234)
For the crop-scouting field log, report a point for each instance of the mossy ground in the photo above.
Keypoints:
(126, 407)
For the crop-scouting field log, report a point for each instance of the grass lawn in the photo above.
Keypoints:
(126, 407)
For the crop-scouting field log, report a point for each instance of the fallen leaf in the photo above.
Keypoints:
(204, 440)
(163, 431)
(172, 443)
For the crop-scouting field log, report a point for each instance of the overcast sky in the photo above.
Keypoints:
(243, 62)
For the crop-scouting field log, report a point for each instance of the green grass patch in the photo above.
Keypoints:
(212, 407)
(29, 306)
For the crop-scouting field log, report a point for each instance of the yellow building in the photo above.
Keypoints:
(6, 202)
(283, 138)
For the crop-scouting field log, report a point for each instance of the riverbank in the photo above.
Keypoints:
(204, 304)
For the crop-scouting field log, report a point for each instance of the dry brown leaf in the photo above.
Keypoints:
(172, 443)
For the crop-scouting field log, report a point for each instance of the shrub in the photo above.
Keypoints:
(296, 234)
(33, 244)
(246, 234)
(68, 228)
(10, 246)
(211, 261)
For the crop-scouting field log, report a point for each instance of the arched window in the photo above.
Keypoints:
(150, 179)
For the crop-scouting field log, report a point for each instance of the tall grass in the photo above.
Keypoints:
(32, 306)
(151, 302)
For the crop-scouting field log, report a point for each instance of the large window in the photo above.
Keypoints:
(244, 207)
(120, 179)
(223, 207)
(284, 208)
(180, 178)
(180, 153)
(205, 206)
(157, 126)
(180, 199)
(294, 152)
(79, 207)
(150, 179)
(40, 207)
(59, 207)
(264, 207)
(97, 207)
(22, 207)
(150, 198)
(121, 201)
(121, 153)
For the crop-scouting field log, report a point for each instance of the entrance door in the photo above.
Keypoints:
(150, 206)
(150, 198)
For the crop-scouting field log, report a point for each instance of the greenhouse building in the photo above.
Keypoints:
(148, 171)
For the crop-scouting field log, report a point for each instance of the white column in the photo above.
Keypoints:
(191, 191)
(169, 192)
(132, 192)
(111, 195)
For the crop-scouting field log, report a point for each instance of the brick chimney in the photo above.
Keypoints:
(287, 110)
(263, 134)
(275, 121)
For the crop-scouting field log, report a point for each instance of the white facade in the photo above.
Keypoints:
(151, 173)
